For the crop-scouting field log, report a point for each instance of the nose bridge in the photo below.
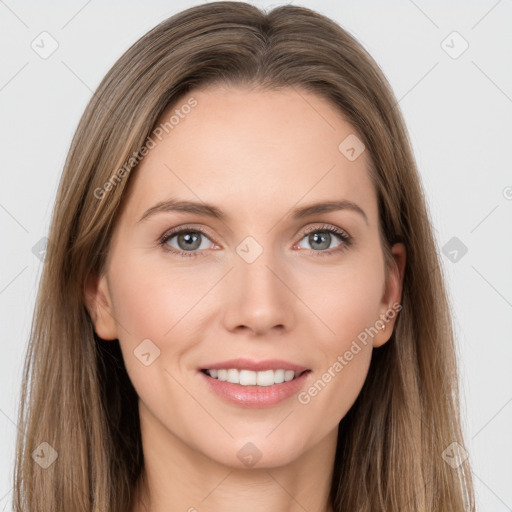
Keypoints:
(258, 298)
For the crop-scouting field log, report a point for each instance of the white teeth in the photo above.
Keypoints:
(247, 378)
(233, 376)
(289, 375)
(279, 376)
(265, 378)
(251, 378)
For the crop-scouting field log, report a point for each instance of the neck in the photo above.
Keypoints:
(255, 491)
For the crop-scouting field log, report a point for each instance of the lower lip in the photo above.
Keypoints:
(256, 397)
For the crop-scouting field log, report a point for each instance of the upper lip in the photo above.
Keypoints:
(249, 364)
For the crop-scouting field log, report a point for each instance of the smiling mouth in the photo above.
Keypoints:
(254, 378)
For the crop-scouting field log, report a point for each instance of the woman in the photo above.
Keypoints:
(241, 304)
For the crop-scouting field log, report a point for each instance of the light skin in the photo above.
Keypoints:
(256, 155)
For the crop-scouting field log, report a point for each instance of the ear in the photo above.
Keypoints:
(392, 295)
(99, 305)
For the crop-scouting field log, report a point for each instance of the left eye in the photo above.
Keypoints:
(322, 239)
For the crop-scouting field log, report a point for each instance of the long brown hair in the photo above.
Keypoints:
(76, 394)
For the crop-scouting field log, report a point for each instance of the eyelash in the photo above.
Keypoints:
(345, 239)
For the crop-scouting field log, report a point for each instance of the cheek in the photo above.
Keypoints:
(346, 353)
(347, 298)
(162, 302)
(336, 387)
(152, 294)
(151, 308)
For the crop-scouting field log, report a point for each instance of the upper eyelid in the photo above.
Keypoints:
(186, 227)
(324, 226)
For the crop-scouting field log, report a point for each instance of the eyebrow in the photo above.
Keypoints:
(208, 210)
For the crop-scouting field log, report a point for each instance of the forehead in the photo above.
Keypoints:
(252, 150)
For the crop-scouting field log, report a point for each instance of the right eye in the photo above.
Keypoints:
(186, 242)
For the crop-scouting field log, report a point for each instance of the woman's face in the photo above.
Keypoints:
(254, 276)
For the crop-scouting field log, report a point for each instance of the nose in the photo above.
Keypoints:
(259, 299)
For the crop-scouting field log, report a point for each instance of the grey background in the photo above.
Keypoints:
(458, 112)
